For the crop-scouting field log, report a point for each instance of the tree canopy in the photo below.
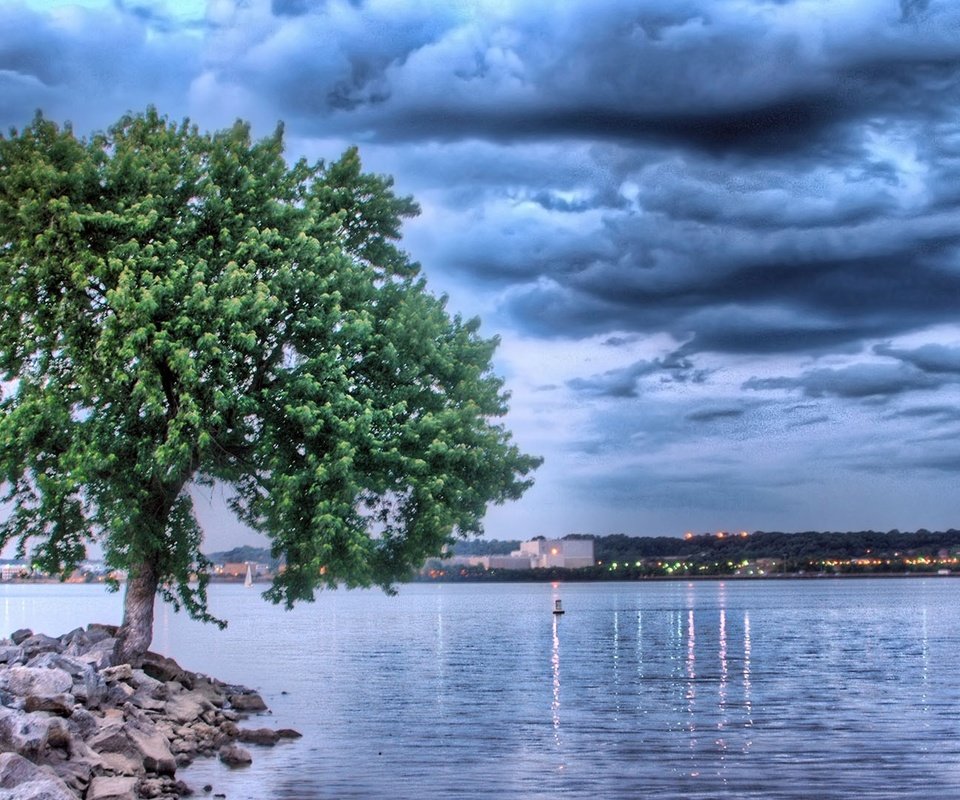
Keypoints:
(185, 308)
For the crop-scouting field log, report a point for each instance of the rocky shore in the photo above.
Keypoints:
(75, 725)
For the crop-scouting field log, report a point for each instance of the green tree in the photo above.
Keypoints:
(186, 308)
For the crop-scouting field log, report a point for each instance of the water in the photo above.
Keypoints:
(767, 689)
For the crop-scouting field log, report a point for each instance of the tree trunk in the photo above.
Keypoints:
(136, 631)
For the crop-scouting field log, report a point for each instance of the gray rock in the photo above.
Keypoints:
(265, 736)
(21, 635)
(140, 681)
(10, 654)
(28, 734)
(88, 687)
(154, 750)
(59, 704)
(23, 681)
(289, 733)
(95, 629)
(121, 672)
(99, 654)
(115, 788)
(250, 701)
(233, 755)
(187, 707)
(39, 643)
(165, 669)
(23, 780)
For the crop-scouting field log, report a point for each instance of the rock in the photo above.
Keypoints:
(165, 669)
(10, 654)
(26, 734)
(99, 628)
(187, 707)
(39, 643)
(21, 635)
(264, 736)
(30, 782)
(82, 723)
(250, 701)
(23, 681)
(121, 672)
(289, 733)
(142, 682)
(100, 654)
(59, 704)
(154, 750)
(114, 788)
(119, 764)
(233, 755)
(88, 685)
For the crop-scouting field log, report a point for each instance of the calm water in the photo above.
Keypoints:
(771, 689)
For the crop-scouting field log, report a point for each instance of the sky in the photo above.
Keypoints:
(719, 239)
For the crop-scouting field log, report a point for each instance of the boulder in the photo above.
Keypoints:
(10, 653)
(99, 654)
(154, 750)
(29, 734)
(165, 669)
(113, 788)
(289, 733)
(39, 643)
(186, 707)
(265, 736)
(23, 681)
(121, 672)
(88, 687)
(21, 635)
(233, 755)
(249, 701)
(23, 780)
(59, 704)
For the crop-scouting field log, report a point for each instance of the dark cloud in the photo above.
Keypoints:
(715, 414)
(855, 382)
(624, 382)
(932, 358)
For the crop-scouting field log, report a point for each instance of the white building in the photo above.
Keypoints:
(564, 553)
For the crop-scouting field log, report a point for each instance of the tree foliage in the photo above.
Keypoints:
(185, 308)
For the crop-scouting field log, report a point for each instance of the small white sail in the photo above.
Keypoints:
(248, 581)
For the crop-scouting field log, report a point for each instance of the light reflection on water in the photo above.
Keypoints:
(774, 689)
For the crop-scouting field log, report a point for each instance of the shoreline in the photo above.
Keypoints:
(75, 725)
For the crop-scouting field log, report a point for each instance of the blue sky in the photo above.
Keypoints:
(720, 240)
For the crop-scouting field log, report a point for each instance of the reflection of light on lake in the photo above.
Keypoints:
(747, 694)
(691, 678)
(555, 663)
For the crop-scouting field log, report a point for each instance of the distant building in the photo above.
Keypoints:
(9, 572)
(563, 553)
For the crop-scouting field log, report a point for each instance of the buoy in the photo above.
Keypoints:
(557, 607)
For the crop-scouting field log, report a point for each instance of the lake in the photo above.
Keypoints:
(830, 688)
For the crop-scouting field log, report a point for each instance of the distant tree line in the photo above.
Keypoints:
(794, 547)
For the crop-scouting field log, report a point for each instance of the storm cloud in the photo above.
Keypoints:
(718, 240)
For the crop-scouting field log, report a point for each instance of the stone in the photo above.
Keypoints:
(264, 736)
(119, 764)
(23, 681)
(21, 635)
(39, 643)
(26, 734)
(100, 628)
(186, 707)
(142, 682)
(30, 782)
(233, 755)
(10, 653)
(289, 733)
(88, 686)
(113, 788)
(121, 672)
(250, 701)
(165, 669)
(154, 750)
(59, 704)
(100, 654)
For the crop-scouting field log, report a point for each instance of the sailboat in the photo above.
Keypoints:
(248, 581)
